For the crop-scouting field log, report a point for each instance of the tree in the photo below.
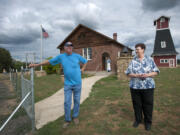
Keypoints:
(18, 64)
(178, 61)
(5, 60)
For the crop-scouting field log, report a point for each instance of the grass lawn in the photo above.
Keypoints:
(46, 86)
(20, 123)
(108, 110)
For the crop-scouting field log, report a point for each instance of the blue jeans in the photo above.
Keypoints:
(68, 90)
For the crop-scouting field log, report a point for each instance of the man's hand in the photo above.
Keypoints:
(82, 70)
(33, 65)
(46, 62)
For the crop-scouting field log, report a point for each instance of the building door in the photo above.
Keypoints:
(171, 63)
(105, 56)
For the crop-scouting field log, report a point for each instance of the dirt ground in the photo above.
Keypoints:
(8, 102)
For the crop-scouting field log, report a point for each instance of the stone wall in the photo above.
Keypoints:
(40, 73)
(122, 64)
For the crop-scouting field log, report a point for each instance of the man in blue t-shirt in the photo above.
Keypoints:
(70, 62)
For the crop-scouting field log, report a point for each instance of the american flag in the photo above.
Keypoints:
(45, 34)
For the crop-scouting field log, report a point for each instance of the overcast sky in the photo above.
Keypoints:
(20, 22)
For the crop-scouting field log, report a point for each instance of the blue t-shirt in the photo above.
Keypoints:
(71, 67)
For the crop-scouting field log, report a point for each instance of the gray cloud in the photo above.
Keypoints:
(132, 41)
(87, 14)
(177, 45)
(20, 22)
(3, 7)
(145, 38)
(157, 5)
(19, 37)
(65, 25)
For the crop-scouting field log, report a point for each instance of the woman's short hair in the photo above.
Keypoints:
(143, 46)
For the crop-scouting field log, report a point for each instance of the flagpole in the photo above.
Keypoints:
(41, 47)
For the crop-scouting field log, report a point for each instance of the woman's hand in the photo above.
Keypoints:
(152, 74)
(138, 75)
(145, 75)
(135, 75)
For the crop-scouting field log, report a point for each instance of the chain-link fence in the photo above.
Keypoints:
(16, 82)
(27, 87)
(23, 84)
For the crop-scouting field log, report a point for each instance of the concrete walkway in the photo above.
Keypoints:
(52, 107)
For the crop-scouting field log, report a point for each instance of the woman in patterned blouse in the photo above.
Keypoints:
(141, 70)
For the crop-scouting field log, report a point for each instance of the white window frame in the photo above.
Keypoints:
(119, 54)
(164, 60)
(161, 60)
(87, 53)
(162, 20)
(173, 65)
(163, 44)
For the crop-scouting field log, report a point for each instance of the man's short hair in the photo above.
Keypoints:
(143, 46)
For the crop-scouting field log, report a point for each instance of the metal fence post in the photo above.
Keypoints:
(10, 74)
(32, 93)
(16, 78)
(22, 83)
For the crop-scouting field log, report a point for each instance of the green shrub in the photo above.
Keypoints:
(52, 69)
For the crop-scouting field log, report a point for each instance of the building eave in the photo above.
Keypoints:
(81, 25)
(168, 17)
(167, 54)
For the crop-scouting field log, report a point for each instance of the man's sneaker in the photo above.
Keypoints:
(76, 121)
(66, 124)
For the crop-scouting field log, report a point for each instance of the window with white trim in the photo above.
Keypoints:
(87, 53)
(163, 44)
(119, 53)
(161, 60)
(162, 20)
(164, 61)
